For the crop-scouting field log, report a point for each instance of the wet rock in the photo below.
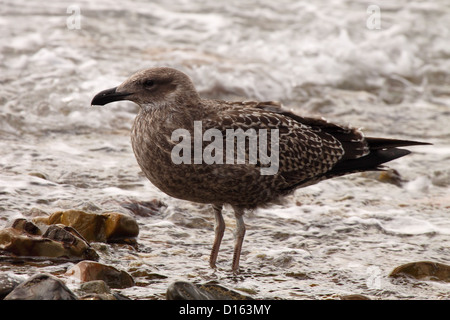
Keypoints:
(39, 175)
(98, 296)
(95, 286)
(298, 275)
(99, 290)
(423, 270)
(189, 221)
(354, 297)
(35, 212)
(89, 206)
(145, 208)
(393, 91)
(26, 226)
(24, 240)
(182, 290)
(7, 284)
(90, 226)
(284, 261)
(106, 227)
(60, 232)
(388, 176)
(441, 178)
(41, 287)
(72, 240)
(120, 227)
(89, 271)
(104, 296)
(145, 274)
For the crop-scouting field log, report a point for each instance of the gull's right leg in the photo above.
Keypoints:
(219, 229)
(239, 238)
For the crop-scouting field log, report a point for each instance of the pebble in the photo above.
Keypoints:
(145, 208)
(388, 176)
(95, 286)
(99, 290)
(89, 271)
(354, 297)
(423, 270)
(104, 296)
(441, 178)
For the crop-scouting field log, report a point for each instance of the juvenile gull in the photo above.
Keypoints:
(309, 149)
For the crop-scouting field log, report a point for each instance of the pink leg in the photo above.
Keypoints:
(239, 238)
(219, 229)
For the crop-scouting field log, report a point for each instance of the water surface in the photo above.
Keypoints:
(342, 236)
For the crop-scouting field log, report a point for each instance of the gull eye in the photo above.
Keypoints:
(149, 83)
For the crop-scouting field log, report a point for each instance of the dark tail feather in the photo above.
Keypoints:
(382, 143)
(381, 151)
(372, 161)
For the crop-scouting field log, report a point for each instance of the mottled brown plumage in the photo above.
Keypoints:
(310, 150)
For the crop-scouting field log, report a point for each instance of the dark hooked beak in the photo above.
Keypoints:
(107, 96)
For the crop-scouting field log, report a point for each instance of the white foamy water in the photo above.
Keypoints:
(319, 58)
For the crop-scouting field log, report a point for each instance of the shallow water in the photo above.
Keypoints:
(342, 236)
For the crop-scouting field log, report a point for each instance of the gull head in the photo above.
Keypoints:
(152, 88)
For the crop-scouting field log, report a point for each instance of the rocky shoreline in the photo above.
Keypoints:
(76, 239)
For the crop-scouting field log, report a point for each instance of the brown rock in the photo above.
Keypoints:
(56, 242)
(423, 270)
(90, 225)
(106, 227)
(71, 240)
(24, 225)
(89, 271)
(62, 233)
(119, 226)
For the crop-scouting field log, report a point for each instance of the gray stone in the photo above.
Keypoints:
(41, 287)
(95, 286)
(182, 290)
(7, 284)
